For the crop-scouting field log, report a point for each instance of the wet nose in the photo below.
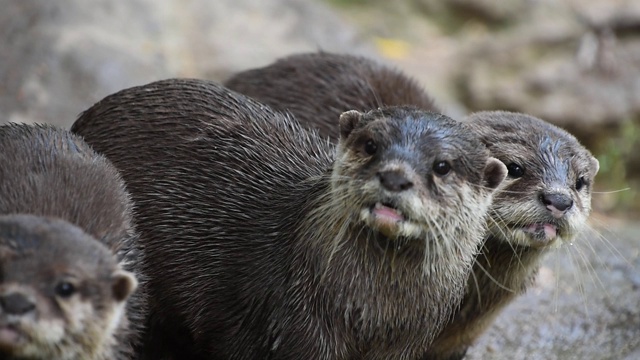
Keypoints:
(394, 180)
(558, 201)
(16, 304)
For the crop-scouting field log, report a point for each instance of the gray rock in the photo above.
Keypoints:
(60, 56)
(560, 63)
(585, 305)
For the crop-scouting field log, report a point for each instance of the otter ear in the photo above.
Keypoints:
(595, 166)
(348, 122)
(123, 285)
(494, 173)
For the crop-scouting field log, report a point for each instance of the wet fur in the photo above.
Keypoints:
(317, 87)
(253, 234)
(506, 265)
(52, 173)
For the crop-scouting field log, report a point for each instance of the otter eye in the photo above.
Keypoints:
(370, 147)
(65, 289)
(441, 168)
(580, 183)
(515, 170)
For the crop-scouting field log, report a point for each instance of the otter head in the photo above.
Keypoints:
(546, 197)
(62, 294)
(415, 177)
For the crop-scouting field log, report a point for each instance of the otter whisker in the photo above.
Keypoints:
(556, 293)
(475, 282)
(611, 191)
(500, 285)
(587, 265)
(605, 240)
(580, 284)
(373, 93)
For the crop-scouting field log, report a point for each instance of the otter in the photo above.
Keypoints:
(62, 294)
(265, 241)
(50, 172)
(317, 87)
(544, 202)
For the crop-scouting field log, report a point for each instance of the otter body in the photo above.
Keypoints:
(534, 212)
(317, 87)
(49, 172)
(262, 242)
(62, 294)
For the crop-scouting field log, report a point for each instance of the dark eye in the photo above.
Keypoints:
(441, 168)
(515, 170)
(580, 183)
(65, 289)
(370, 147)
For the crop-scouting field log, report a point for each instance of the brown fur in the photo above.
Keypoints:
(50, 172)
(62, 293)
(263, 243)
(316, 88)
(507, 264)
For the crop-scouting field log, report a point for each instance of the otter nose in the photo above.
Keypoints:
(394, 180)
(16, 304)
(558, 202)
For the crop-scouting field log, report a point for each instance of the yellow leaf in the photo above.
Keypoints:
(392, 48)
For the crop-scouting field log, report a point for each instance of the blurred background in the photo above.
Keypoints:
(575, 63)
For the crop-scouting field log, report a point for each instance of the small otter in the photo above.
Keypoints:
(62, 294)
(317, 87)
(546, 201)
(50, 172)
(263, 243)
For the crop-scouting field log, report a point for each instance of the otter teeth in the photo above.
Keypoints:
(549, 231)
(386, 213)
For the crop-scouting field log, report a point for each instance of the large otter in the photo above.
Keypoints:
(62, 294)
(50, 172)
(318, 87)
(261, 243)
(545, 201)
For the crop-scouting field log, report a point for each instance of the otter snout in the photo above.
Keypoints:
(557, 203)
(394, 180)
(16, 303)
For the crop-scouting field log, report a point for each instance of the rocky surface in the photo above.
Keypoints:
(58, 57)
(585, 305)
(575, 63)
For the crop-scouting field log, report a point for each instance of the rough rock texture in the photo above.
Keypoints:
(575, 63)
(582, 70)
(58, 57)
(585, 305)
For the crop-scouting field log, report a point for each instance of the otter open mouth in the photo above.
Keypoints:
(386, 213)
(10, 336)
(544, 232)
(385, 217)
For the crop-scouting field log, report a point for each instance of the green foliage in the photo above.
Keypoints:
(352, 2)
(619, 157)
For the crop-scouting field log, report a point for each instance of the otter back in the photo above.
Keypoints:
(317, 87)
